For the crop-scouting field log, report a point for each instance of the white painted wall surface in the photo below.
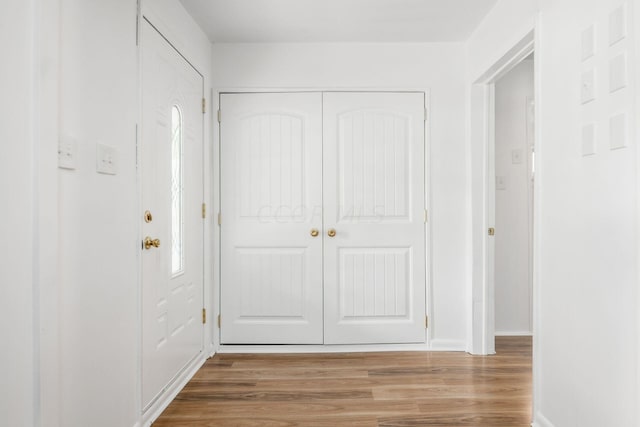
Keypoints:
(46, 283)
(171, 19)
(588, 230)
(438, 67)
(512, 249)
(506, 24)
(99, 214)
(17, 387)
(585, 356)
(99, 244)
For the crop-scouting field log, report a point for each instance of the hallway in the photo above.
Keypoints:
(360, 389)
(153, 221)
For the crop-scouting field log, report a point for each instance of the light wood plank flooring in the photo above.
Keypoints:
(360, 389)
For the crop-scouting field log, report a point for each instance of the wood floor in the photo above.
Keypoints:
(360, 389)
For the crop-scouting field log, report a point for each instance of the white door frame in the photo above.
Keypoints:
(482, 136)
(481, 129)
(215, 310)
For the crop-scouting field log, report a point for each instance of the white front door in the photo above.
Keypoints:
(374, 218)
(271, 201)
(172, 225)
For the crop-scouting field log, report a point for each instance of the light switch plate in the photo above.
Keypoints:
(589, 139)
(517, 156)
(618, 73)
(588, 86)
(618, 131)
(618, 24)
(501, 182)
(106, 159)
(588, 43)
(67, 153)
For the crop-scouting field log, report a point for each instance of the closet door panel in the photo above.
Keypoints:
(374, 200)
(271, 200)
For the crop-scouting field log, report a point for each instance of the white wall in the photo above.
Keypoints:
(17, 357)
(512, 249)
(99, 214)
(438, 67)
(583, 270)
(171, 19)
(506, 24)
(586, 325)
(29, 389)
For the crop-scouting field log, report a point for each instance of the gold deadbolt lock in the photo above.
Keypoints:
(492, 231)
(148, 217)
(314, 232)
(149, 242)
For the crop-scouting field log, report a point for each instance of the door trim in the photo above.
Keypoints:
(482, 134)
(216, 173)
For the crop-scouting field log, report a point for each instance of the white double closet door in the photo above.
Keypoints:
(323, 218)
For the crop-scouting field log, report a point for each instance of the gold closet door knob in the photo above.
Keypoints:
(331, 232)
(149, 242)
(314, 232)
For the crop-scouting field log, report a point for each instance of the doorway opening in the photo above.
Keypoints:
(493, 306)
(514, 165)
(484, 131)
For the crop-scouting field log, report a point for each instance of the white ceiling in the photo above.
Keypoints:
(302, 21)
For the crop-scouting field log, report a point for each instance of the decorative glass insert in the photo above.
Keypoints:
(177, 223)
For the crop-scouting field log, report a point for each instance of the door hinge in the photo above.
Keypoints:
(426, 322)
(204, 210)
(219, 116)
(204, 316)
(426, 216)
(219, 321)
(219, 218)
(492, 231)
(426, 114)
(204, 105)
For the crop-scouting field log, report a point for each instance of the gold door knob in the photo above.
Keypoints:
(331, 232)
(149, 242)
(314, 232)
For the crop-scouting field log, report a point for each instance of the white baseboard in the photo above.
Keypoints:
(448, 345)
(541, 421)
(342, 348)
(514, 334)
(436, 345)
(161, 403)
